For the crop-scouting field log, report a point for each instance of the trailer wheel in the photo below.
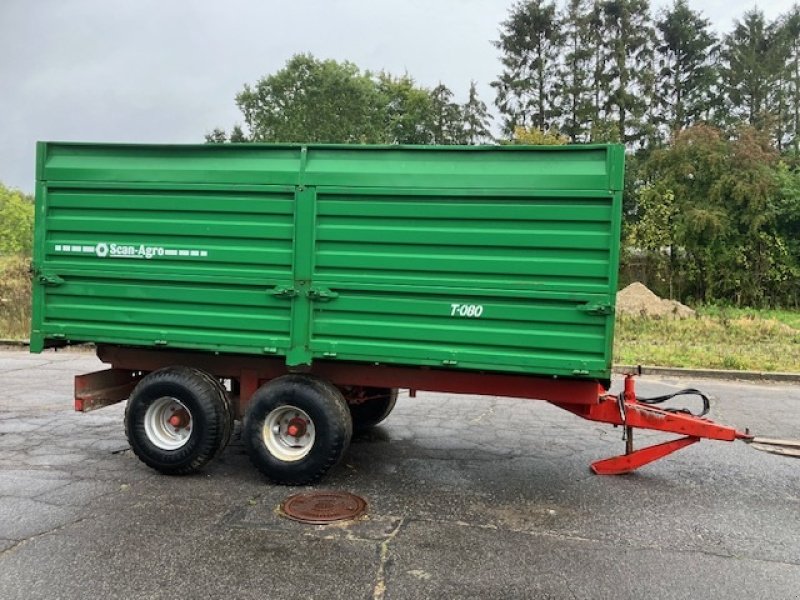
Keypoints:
(369, 405)
(177, 419)
(297, 427)
(226, 400)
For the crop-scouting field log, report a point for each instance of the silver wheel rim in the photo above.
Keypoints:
(168, 423)
(278, 437)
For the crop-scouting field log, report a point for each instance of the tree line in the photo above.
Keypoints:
(325, 101)
(711, 123)
(610, 70)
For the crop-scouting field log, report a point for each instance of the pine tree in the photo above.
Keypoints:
(630, 40)
(530, 42)
(686, 75)
(575, 89)
(216, 136)
(237, 135)
(477, 122)
(601, 131)
(750, 70)
(790, 32)
(447, 123)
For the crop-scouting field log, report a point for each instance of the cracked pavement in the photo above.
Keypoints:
(469, 497)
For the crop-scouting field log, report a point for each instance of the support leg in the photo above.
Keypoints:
(634, 459)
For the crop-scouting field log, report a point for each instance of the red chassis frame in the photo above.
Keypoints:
(587, 399)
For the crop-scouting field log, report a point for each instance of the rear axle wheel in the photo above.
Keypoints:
(296, 428)
(369, 405)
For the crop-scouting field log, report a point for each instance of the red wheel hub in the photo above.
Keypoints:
(297, 427)
(179, 419)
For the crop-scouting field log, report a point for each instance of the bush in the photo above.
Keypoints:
(15, 297)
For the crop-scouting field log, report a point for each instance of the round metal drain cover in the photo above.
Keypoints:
(319, 508)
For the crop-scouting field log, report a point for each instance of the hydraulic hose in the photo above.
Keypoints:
(686, 392)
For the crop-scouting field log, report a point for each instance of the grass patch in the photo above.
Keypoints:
(738, 339)
(15, 297)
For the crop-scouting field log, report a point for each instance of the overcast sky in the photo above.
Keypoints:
(167, 71)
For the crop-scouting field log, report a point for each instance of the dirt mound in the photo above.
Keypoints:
(637, 300)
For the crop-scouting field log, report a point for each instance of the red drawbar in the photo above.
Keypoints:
(632, 414)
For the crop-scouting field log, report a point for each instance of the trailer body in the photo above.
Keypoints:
(297, 287)
(487, 259)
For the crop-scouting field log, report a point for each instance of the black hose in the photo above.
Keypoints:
(686, 392)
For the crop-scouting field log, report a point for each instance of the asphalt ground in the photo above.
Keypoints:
(469, 497)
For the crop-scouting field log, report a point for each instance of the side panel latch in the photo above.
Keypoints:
(282, 291)
(597, 308)
(321, 294)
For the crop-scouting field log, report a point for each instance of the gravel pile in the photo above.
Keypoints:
(637, 300)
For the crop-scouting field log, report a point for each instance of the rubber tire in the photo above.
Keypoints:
(327, 408)
(368, 414)
(210, 415)
(228, 407)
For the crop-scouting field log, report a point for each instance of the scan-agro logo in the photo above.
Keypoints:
(143, 251)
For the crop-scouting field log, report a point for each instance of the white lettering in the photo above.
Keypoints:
(473, 311)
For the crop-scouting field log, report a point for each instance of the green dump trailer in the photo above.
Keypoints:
(297, 287)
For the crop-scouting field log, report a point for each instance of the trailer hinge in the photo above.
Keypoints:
(50, 279)
(321, 294)
(597, 308)
(282, 291)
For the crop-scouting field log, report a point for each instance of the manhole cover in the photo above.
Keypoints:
(319, 508)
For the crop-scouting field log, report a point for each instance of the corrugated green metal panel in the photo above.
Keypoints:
(555, 243)
(189, 268)
(421, 327)
(526, 268)
(481, 258)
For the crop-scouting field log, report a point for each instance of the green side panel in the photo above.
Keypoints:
(191, 269)
(187, 164)
(481, 282)
(580, 168)
(488, 258)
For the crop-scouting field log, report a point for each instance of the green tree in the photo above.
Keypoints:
(477, 121)
(750, 71)
(537, 137)
(16, 222)
(447, 125)
(790, 34)
(599, 80)
(713, 215)
(630, 40)
(216, 136)
(530, 43)
(575, 85)
(406, 109)
(682, 214)
(312, 100)
(237, 135)
(685, 51)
